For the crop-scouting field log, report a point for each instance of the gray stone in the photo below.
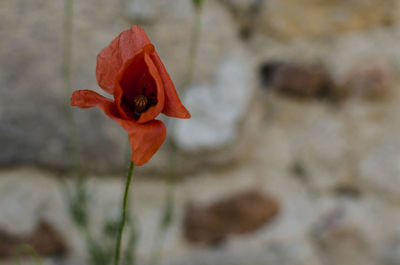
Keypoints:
(339, 242)
(380, 169)
(391, 251)
(295, 252)
(141, 11)
(33, 117)
(322, 150)
(216, 111)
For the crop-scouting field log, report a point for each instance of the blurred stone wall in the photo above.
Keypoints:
(298, 98)
(228, 101)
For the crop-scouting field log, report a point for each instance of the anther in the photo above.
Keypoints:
(140, 103)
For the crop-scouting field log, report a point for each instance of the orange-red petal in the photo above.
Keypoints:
(146, 135)
(145, 139)
(153, 111)
(111, 59)
(173, 106)
(128, 77)
(87, 99)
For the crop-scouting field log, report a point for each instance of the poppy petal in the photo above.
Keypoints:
(87, 99)
(153, 111)
(112, 58)
(134, 70)
(130, 70)
(145, 140)
(173, 106)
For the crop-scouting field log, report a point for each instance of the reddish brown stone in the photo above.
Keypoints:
(44, 240)
(303, 81)
(370, 80)
(238, 214)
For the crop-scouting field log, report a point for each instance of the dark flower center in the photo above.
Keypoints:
(139, 89)
(139, 103)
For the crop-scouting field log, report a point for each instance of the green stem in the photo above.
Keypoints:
(67, 57)
(123, 214)
(67, 78)
(194, 43)
(167, 214)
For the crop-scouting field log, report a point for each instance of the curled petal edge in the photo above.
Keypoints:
(173, 106)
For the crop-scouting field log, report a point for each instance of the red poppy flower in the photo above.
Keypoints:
(131, 70)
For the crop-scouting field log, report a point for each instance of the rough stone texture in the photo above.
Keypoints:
(332, 166)
(237, 214)
(33, 100)
(31, 72)
(312, 228)
(381, 168)
(340, 242)
(214, 121)
(370, 79)
(142, 11)
(315, 18)
(303, 81)
(44, 240)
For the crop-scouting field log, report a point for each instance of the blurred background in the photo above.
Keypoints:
(292, 154)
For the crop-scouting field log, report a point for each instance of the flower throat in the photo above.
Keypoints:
(142, 102)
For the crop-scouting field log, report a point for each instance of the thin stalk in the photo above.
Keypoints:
(167, 214)
(67, 79)
(67, 56)
(123, 214)
(194, 43)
